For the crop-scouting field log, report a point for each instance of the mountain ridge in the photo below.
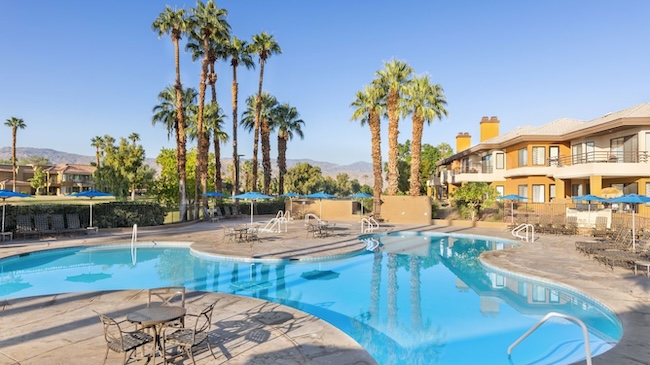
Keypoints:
(359, 170)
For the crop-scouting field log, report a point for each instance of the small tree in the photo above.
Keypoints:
(474, 196)
(39, 180)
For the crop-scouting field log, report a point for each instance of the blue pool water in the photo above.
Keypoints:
(423, 299)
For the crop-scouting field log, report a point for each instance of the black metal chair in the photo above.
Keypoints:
(120, 341)
(188, 338)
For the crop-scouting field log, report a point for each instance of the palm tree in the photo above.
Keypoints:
(240, 53)
(286, 121)
(15, 124)
(210, 26)
(265, 46)
(425, 102)
(97, 143)
(393, 79)
(165, 112)
(134, 137)
(174, 22)
(215, 117)
(269, 103)
(367, 109)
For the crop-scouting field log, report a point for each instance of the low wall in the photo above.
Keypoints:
(404, 209)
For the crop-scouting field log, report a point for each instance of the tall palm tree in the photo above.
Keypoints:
(393, 79)
(425, 102)
(239, 52)
(134, 137)
(265, 46)
(269, 103)
(214, 118)
(367, 109)
(97, 143)
(165, 112)
(174, 22)
(209, 24)
(286, 121)
(15, 124)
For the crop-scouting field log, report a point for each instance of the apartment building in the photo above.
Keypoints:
(61, 179)
(555, 161)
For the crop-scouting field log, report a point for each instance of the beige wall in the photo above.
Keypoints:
(406, 209)
(332, 209)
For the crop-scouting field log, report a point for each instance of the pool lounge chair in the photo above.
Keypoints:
(42, 224)
(25, 225)
(207, 216)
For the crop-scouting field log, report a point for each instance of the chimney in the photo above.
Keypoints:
(463, 141)
(489, 128)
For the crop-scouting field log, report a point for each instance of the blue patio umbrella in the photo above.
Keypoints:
(252, 196)
(320, 196)
(631, 199)
(91, 194)
(512, 198)
(4, 194)
(215, 194)
(589, 198)
(361, 196)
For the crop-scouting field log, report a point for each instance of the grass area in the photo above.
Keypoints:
(51, 199)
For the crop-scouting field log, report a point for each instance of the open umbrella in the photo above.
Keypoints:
(91, 194)
(320, 196)
(4, 194)
(361, 196)
(215, 194)
(588, 198)
(610, 192)
(291, 196)
(252, 196)
(631, 199)
(512, 198)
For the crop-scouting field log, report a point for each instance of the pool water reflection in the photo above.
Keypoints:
(422, 299)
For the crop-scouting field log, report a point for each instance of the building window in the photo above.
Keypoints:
(576, 190)
(486, 164)
(590, 151)
(522, 157)
(501, 190)
(522, 190)
(551, 192)
(539, 156)
(500, 161)
(538, 193)
(624, 149)
(553, 155)
(576, 154)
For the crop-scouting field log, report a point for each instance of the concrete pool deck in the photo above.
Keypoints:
(549, 257)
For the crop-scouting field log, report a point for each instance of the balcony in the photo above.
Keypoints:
(612, 164)
(477, 172)
(600, 157)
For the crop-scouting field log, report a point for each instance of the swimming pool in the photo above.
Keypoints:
(422, 299)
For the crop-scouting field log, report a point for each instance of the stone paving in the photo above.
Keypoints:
(54, 329)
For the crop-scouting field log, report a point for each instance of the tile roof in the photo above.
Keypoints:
(72, 169)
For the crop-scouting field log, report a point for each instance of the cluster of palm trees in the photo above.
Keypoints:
(15, 124)
(397, 92)
(209, 39)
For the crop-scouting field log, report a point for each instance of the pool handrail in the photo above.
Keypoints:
(550, 315)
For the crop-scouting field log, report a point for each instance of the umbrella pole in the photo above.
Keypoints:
(512, 212)
(91, 212)
(4, 204)
(252, 201)
(633, 232)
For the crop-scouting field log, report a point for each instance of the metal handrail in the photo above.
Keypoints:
(599, 157)
(134, 239)
(521, 227)
(560, 315)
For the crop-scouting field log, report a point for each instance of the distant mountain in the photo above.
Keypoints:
(361, 171)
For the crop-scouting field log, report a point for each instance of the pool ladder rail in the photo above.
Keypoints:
(529, 232)
(550, 315)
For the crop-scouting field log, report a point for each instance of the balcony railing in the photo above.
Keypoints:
(600, 157)
(476, 168)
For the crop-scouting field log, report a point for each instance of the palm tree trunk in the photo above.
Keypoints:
(266, 155)
(256, 129)
(180, 138)
(282, 162)
(375, 130)
(235, 156)
(217, 164)
(202, 141)
(14, 169)
(393, 132)
(416, 151)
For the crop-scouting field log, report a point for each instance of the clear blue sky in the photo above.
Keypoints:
(77, 69)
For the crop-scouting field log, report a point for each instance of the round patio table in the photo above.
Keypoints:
(156, 317)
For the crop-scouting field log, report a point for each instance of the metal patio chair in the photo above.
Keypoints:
(120, 341)
(188, 338)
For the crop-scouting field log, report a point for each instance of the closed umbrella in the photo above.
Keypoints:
(512, 198)
(91, 194)
(631, 199)
(4, 194)
(252, 196)
(320, 196)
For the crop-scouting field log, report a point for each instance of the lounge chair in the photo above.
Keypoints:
(58, 223)
(120, 341)
(24, 225)
(219, 213)
(73, 223)
(600, 228)
(208, 216)
(42, 224)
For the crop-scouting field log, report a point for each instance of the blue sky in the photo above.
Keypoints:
(77, 69)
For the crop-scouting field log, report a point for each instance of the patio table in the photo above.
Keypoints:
(156, 317)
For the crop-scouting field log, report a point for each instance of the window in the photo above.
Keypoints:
(590, 151)
(576, 153)
(539, 156)
(553, 155)
(551, 192)
(624, 149)
(522, 190)
(465, 164)
(501, 191)
(576, 190)
(538, 193)
(501, 160)
(522, 157)
(486, 164)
